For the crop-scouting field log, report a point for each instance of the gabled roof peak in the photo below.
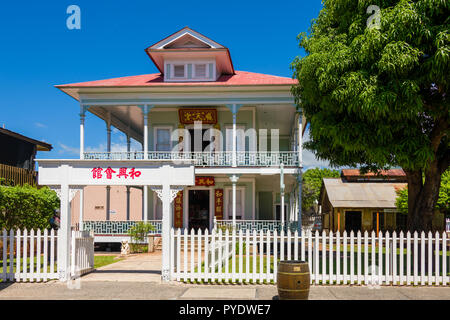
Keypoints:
(189, 34)
(190, 44)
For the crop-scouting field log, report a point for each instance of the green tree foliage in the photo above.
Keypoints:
(312, 181)
(27, 207)
(139, 231)
(138, 234)
(443, 203)
(377, 97)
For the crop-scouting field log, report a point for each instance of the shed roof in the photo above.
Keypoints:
(361, 194)
(41, 146)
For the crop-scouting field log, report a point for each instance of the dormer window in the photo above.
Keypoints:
(178, 71)
(200, 71)
(190, 70)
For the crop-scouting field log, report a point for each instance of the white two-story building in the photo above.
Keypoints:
(241, 130)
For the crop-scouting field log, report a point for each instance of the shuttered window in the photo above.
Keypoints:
(178, 71)
(200, 71)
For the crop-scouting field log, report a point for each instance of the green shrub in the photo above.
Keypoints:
(138, 233)
(27, 207)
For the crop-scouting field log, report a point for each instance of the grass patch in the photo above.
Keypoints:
(101, 261)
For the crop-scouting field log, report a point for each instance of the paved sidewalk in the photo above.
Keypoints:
(144, 267)
(139, 277)
(137, 290)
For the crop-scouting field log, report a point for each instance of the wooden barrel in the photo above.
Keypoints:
(293, 280)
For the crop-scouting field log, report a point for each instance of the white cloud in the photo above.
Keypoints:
(40, 125)
(68, 149)
(115, 147)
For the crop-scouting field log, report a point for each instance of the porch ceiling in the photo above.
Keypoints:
(129, 118)
(275, 117)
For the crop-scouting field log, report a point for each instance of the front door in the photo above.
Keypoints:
(192, 140)
(353, 221)
(199, 209)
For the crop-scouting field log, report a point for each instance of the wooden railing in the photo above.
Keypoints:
(13, 176)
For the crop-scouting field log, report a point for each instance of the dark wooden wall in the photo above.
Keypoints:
(17, 153)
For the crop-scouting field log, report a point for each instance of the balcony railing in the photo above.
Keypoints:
(260, 225)
(207, 159)
(118, 227)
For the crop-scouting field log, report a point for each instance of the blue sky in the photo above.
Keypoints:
(39, 51)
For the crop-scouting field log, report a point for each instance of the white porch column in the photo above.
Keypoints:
(145, 205)
(166, 225)
(300, 139)
(300, 172)
(82, 120)
(128, 203)
(64, 232)
(108, 202)
(167, 195)
(234, 179)
(145, 111)
(80, 223)
(234, 138)
(234, 109)
(128, 143)
(108, 149)
(108, 132)
(282, 194)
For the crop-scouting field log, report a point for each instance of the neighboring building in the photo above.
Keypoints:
(17, 165)
(198, 82)
(363, 202)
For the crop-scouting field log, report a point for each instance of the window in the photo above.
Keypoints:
(190, 70)
(178, 70)
(200, 70)
(162, 139)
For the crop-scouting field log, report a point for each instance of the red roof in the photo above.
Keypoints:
(240, 78)
(389, 173)
(385, 175)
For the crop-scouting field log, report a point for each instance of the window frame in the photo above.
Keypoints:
(155, 137)
(194, 72)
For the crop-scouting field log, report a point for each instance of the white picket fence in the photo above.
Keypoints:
(359, 259)
(82, 253)
(28, 255)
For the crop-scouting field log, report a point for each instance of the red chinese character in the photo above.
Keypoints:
(122, 173)
(134, 173)
(97, 173)
(109, 172)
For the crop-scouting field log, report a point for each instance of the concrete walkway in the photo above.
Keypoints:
(138, 277)
(136, 290)
(145, 267)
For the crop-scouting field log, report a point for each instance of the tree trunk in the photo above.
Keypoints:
(423, 193)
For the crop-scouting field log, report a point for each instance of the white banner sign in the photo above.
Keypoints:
(133, 172)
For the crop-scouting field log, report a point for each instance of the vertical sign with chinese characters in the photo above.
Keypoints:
(178, 210)
(218, 204)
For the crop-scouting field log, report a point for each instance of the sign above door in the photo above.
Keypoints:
(190, 115)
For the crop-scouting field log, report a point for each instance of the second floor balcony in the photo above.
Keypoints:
(207, 159)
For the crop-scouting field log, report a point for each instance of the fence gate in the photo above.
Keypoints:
(82, 253)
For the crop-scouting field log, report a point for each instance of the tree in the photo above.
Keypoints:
(312, 182)
(27, 207)
(376, 96)
(443, 202)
